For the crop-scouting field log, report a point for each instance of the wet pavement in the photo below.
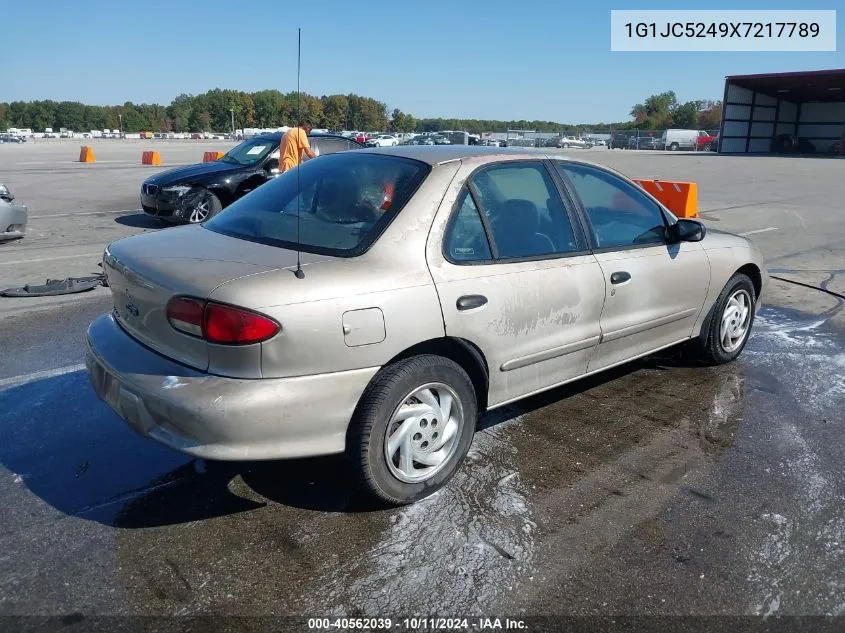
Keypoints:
(659, 488)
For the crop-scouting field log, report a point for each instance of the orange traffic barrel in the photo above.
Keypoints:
(681, 198)
(86, 154)
(150, 158)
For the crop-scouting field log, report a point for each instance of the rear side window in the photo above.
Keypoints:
(344, 202)
(466, 240)
(330, 145)
(524, 211)
(620, 214)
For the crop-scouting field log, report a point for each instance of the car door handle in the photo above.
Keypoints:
(620, 277)
(468, 302)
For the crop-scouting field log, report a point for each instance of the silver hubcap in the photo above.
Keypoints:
(423, 433)
(735, 321)
(200, 211)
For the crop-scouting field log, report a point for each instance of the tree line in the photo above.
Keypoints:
(663, 111)
(210, 111)
(214, 110)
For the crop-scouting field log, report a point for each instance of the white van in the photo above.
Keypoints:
(678, 139)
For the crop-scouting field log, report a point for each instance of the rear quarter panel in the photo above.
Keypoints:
(392, 276)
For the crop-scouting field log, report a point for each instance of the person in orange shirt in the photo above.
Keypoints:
(294, 145)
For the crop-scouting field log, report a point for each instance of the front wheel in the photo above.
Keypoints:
(730, 323)
(199, 205)
(412, 429)
(673, 147)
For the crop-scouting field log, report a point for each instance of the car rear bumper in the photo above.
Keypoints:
(215, 417)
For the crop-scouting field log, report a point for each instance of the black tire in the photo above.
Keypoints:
(369, 427)
(192, 203)
(707, 147)
(673, 147)
(709, 346)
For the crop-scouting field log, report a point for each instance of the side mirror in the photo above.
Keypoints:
(685, 230)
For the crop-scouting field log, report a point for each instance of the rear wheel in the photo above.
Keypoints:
(200, 205)
(412, 429)
(730, 323)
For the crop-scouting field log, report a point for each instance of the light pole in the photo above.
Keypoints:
(120, 120)
(232, 110)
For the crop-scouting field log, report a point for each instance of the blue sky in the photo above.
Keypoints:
(516, 59)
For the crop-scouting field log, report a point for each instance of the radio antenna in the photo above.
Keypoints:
(298, 273)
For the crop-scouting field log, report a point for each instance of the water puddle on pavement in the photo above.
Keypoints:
(456, 552)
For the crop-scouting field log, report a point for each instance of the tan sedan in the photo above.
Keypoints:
(376, 304)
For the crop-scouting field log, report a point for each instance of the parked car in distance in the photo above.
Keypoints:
(714, 145)
(599, 142)
(572, 141)
(618, 141)
(645, 142)
(194, 193)
(677, 139)
(382, 140)
(226, 338)
(705, 141)
(5, 137)
(13, 216)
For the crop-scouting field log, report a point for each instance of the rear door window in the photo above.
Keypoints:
(524, 211)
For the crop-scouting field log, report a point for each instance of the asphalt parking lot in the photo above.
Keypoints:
(659, 489)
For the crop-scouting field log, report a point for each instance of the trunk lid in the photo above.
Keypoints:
(145, 271)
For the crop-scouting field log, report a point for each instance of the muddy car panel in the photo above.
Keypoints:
(540, 323)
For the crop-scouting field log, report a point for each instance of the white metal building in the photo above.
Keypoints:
(758, 108)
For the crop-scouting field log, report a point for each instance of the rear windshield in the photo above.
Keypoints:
(345, 202)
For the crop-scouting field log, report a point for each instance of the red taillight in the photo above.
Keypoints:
(186, 315)
(218, 323)
(233, 326)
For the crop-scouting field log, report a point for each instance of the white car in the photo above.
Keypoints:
(383, 140)
(13, 216)
(572, 141)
